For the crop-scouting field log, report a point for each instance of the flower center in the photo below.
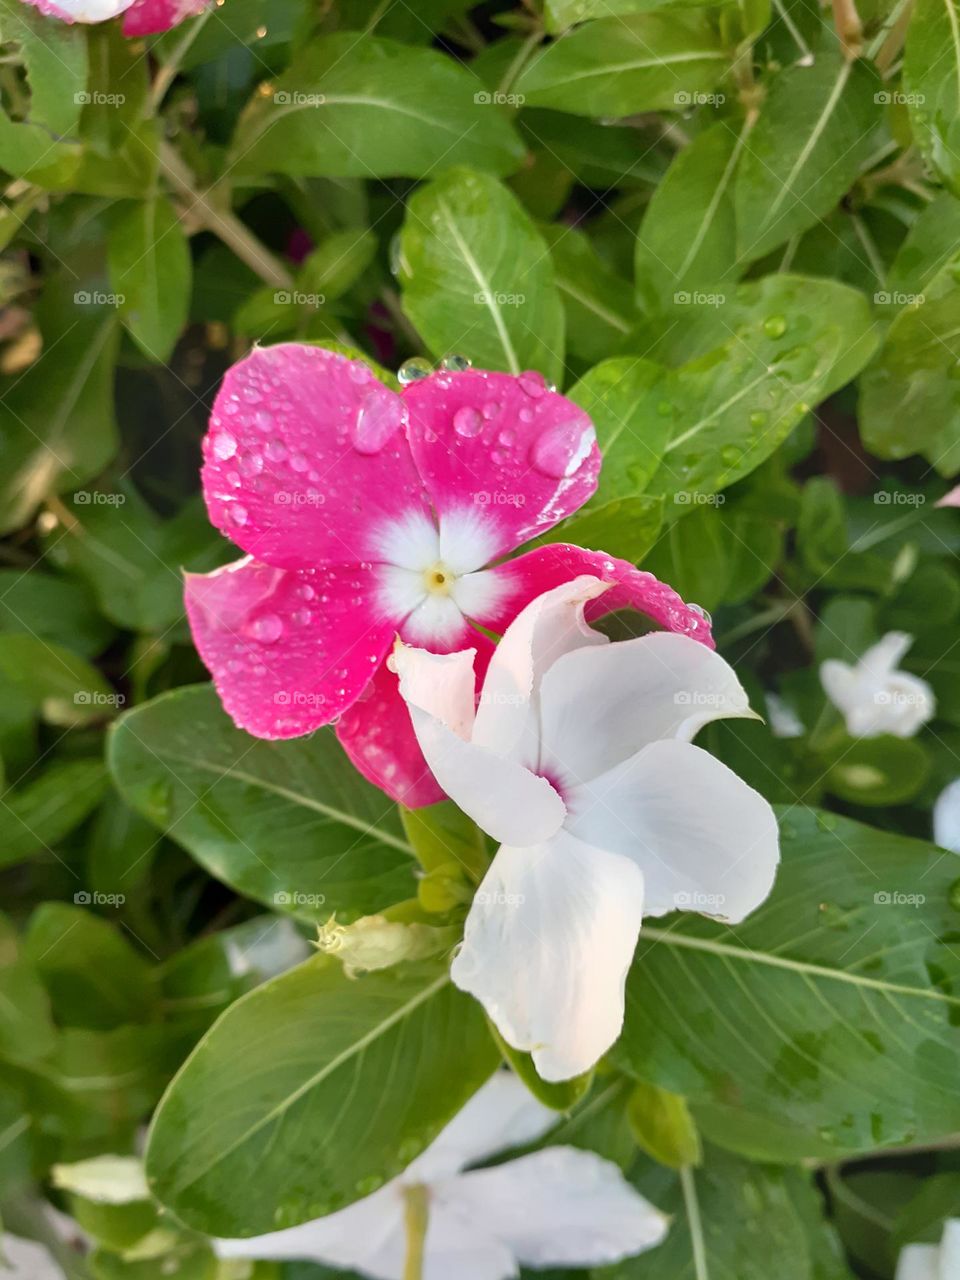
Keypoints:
(438, 580)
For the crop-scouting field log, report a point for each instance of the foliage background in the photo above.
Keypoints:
(734, 236)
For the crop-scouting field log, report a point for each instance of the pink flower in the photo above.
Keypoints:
(366, 513)
(141, 17)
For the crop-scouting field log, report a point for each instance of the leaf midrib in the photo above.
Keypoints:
(747, 956)
(356, 1047)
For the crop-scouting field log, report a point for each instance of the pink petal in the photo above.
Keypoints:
(287, 651)
(377, 734)
(503, 448)
(951, 499)
(149, 17)
(306, 461)
(538, 571)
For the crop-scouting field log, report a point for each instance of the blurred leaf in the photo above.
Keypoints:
(663, 1127)
(877, 771)
(51, 608)
(356, 106)
(37, 813)
(150, 269)
(931, 81)
(599, 306)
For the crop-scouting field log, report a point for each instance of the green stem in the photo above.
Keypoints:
(416, 1218)
(171, 68)
(519, 62)
(223, 222)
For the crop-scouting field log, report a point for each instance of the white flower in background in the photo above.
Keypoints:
(557, 1207)
(946, 817)
(933, 1261)
(783, 720)
(579, 760)
(875, 697)
(26, 1260)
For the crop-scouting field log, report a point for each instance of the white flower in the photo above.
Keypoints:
(83, 10)
(579, 760)
(26, 1260)
(557, 1207)
(783, 720)
(874, 696)
(946, 817)
(933, 1261)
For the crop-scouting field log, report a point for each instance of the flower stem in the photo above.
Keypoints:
(223, 222)
(416, 1217)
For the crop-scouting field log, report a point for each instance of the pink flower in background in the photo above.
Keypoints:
(141, 17)
(366, 513)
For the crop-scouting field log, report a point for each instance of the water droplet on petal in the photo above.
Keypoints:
(563, 448)
(467, 422)
(238, 513)
(224, 445)
(457, 364)
(262, 420)
(532, 383)
(507, 436)
(251, 464)
(698, 608)
(359, 372)
(414, 370)
(490, 409)
(379, 418)
(276, 451)
(268, 628)
(299, 462)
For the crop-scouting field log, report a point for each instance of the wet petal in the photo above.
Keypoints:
(306, 462)
(150, 17)
(502, 457)
(287, 651)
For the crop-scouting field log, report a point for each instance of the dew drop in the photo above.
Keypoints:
(302, 617)
(467, 422)
(299, 462)
(532, 383)
(562, 449)
(276, 451)
(358, 372)
(775, 326)
(262, 420)
(239, 513)
(457, 364)
(490, 409)
(414, 370)
(507, 436)
(759, 419)
(224, 445)
(251, 395)
(698, 608)
(268, 628)
(379, 418)
(251, 464)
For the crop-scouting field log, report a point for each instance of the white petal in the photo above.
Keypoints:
(412, 541)
(950, 1250)
(874, 697)
(437, 620)
(27, 1260)
(599, 706)
(548, 942)
(503, 798)
(478, 595)
(704, 840)
(561, 1207)
(467, 541)
(459, 1247)
(501, 1114)
(350, 1238)
(881, 658)
(946, 817)
(783, 720)
(839, 683)
(920, 1262)
(508, 719)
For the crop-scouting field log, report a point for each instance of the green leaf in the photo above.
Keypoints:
(63, 688)
(26, 1029)
(838, 1000)
(291, 824)
(477, 276)
(618, 66)
(730, 1219)
(319, 1085)
(358, 106)
(560, 1095)
(598, 304)
(814, 134)
(927, 260)
(566, 13)
(910, 395)
(625, 527)
(151, 270)
(53, 609)
(687, 241)
(40, 811)
(877, 771)
(931, 81)
(56, 419)
(626, 399)
(95, 978)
